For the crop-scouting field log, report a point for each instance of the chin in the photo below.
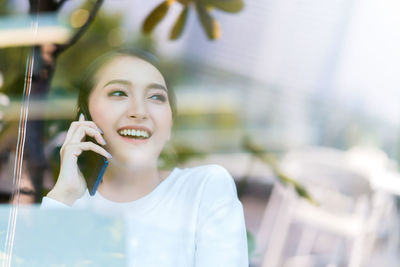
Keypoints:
(137, 160)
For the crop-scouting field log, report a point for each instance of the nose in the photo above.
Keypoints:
(137, 109)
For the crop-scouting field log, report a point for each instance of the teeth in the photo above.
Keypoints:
(132, 132)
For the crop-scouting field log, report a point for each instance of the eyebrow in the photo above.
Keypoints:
(157, 86)
(125, 82)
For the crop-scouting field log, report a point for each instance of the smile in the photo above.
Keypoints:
(136, 134)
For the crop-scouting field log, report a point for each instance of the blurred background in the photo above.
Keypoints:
(297, 99)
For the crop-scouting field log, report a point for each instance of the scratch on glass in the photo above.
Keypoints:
(12, 219)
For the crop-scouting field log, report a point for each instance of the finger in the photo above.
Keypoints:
(77, 149)
(84, 131)
(82, 118)
(85, 146)
(75, 125)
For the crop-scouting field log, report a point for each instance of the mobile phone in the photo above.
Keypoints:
(92, 165)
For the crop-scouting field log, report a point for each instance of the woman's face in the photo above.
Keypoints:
(129, 103)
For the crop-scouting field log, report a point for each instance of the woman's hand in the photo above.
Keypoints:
(71, 184)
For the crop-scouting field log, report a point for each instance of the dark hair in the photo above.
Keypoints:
(87, 82)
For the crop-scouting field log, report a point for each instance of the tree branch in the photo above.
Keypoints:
(79, 33)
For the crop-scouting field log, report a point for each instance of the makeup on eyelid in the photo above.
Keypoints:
(121, 93)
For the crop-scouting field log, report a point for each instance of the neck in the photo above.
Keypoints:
(123, 183)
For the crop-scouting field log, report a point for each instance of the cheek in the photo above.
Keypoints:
(98, 116)
(163, 117)
(167, 124)
(99, 112)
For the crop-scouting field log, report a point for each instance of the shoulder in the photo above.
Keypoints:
(208, 173)
(208, 170)
(212, 180)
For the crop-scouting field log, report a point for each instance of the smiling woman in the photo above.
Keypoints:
(187, 217)
(130, 94)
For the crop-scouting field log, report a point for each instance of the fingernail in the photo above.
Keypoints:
(109, 155)
(81, 117)
(104, 142)
(100, 130)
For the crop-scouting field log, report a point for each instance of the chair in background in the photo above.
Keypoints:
(340, 231)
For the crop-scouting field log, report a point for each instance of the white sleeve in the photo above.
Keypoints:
(49, 203)
(221, 239)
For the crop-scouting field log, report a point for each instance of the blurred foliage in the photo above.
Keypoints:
(179, 24)
(203, 9)
(12, 61)
(3, 7)
(251, 244)
(175, 154)
(271, 160)
(103, 34)
(12, 68)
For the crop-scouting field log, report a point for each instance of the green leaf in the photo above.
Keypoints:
(210, 25)
(155, 17)
(232, 6)
(179, 24)
(302, 192)
(257, 151)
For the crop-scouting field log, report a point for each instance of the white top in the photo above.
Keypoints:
(192, 218)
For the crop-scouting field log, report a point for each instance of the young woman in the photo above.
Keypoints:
(188, 217)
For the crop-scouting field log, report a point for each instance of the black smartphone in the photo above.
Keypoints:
(92, 165)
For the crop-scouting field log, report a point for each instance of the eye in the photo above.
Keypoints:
(159, 97)
(117, 93)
